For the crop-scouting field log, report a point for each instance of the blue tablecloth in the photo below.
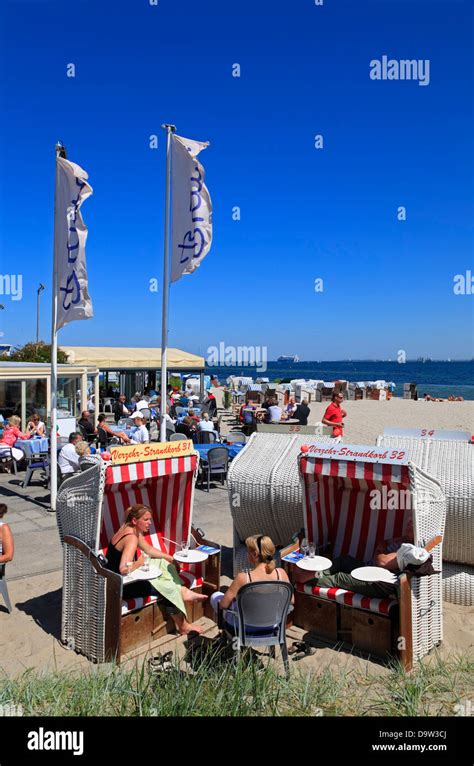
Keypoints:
(36, 445)
(118, 430)
(203, 449)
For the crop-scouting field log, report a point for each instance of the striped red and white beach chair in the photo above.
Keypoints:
(355, 497)
(92, 505)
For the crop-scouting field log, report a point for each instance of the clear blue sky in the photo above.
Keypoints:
(305, 213)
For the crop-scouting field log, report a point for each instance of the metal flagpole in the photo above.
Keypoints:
(60, 152)
(164, 318)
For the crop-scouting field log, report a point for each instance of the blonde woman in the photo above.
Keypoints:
(10, 435)
(82, 448)
(260, 555)
(121, 552)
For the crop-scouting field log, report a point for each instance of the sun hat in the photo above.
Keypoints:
(137, 414)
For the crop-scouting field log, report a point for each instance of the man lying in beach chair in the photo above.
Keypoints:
(339, 574)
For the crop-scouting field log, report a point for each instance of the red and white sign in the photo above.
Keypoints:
(139, 453)
(355, 452)
(429, 433)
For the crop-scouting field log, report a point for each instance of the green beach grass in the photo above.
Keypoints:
(435, 688)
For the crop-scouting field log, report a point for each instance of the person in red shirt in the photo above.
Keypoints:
(334, 416)
(10, 435)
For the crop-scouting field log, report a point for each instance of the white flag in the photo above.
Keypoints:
(191, 233)
(70, 234)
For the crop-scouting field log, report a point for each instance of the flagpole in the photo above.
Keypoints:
(164, 318)
(60, 151)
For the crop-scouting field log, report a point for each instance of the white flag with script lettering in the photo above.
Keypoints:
(70, 234)
(191, 229)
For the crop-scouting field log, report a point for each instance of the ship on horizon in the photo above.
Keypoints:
(293, 358)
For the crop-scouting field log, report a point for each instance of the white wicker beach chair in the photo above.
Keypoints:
(264, 490)
(96, 620)
(339, 513)
(452, 463)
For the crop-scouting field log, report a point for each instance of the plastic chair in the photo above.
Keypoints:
(262, 610)
(146, 412)
(215, 463)
(4, 589)
(35, 461)
(175, 437)
(7, 459)
(108, 405)
(236, 437)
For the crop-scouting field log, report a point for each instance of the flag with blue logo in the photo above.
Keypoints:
(191, 228)
(70, 234)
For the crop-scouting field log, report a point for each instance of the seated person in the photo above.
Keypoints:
(339, 574)
(108, 433)
(140, 434)
(86, 427)
(290, 408)
(205, 424)
(273, 413)
(260, 554)
(68, 458)
(128, 541)
(120, 408)
(187, 427)
(302, 412)
(7, 547)
(35, 427)
(10, 435)
(193, 416)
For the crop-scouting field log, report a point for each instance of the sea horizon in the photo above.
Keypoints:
(436, 377)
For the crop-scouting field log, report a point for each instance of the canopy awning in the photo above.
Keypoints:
(117, 358)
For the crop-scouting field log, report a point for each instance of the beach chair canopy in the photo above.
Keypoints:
(356, 496)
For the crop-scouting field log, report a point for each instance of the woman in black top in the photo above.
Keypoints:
(121, 559)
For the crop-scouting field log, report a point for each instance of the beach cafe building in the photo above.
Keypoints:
(25, 387)
(128, 370)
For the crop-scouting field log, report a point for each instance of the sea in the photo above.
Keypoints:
(440, 379)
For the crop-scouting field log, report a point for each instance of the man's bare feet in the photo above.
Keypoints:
(190, 596)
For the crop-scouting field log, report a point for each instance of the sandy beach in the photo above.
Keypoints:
(29, 636)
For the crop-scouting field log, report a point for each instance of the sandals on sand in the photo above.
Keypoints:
(301, 649)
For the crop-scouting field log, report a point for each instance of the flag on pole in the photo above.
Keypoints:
(70, 234)
(191, 230)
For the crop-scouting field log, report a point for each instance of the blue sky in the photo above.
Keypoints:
(305, 213)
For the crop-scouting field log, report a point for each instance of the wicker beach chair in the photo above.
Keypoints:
(339, 514)
(451, 462)
(264, 490)
(96, 620)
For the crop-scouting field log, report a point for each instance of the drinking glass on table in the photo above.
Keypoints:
(146, 562)
(311, 550)
(184, 548)
(304, 546)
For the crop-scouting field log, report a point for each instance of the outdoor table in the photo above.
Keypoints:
(118, 430)
(314, 563)
(195, 556)
(38, 445)
(233, 449)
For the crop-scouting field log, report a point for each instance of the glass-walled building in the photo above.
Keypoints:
(25, 389)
